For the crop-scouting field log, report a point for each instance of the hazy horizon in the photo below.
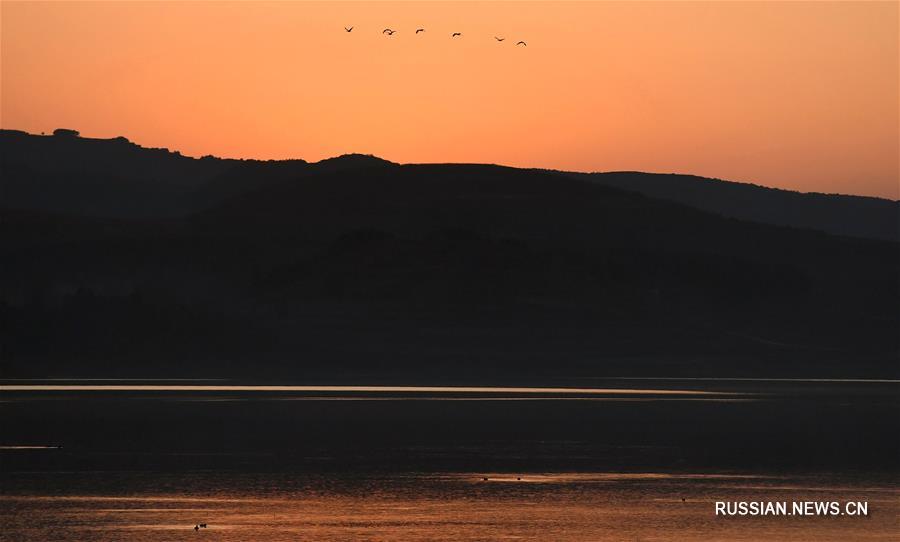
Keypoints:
(799, 96)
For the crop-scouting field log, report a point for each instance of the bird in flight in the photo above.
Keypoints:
(499, 39)
(522, 43)
(348, 29)
(388, 31)
(455, 34)
(420, 30)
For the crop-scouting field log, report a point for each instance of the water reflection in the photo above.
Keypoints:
(149, 461)
(355, 389)
(451, 507)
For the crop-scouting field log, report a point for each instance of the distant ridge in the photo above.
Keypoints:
(856, 216)
(115, 178)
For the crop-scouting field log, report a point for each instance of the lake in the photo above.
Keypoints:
(605, 459)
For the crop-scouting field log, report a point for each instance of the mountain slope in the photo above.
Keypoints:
(444, 271)
(855, 216)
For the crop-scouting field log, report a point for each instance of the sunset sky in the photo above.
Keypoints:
(799, 95)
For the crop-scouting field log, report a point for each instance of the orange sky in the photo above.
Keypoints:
(800, 95)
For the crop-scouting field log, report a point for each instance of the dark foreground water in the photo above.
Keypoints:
(610, 460)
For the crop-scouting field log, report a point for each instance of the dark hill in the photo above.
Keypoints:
(442, 272)
(99, 177)
(252, 175)
(855, 216)
(115, 178)
(350, 161)
(125, 261)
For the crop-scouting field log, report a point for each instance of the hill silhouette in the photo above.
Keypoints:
(357, 266)
(100, 177)
(857, 216)
(115, 178)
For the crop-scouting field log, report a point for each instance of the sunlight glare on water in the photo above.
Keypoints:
(452, 507)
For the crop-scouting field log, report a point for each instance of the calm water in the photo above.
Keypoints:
(613, 460)
(456, 506)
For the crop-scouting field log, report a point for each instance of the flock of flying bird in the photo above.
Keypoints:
(390, 32)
